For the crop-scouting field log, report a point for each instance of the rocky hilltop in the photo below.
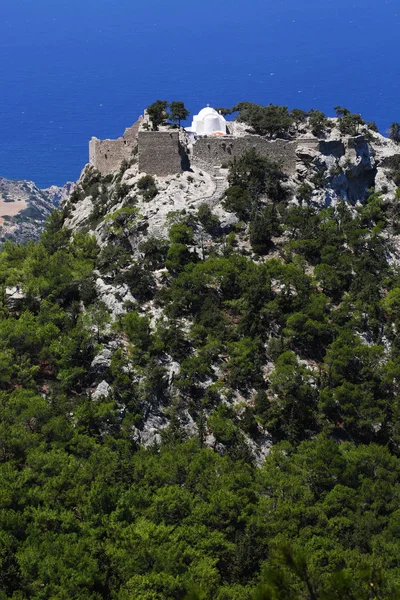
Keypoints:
(336, 168)
(24, 208)
(220, 213)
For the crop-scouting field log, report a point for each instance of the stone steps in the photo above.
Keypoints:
(219, 190)
(220, 187)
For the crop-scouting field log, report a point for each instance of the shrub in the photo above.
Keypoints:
(269, 120)
(178, 256)
(180, 233)
(304, 192)
(209, 221)
(158, 113)
(262, 227)
(155, 252)
(76, 196)
(318, 123)
(238, 201)
(258, 175)
(121, 191)
(137, 329)
(123, 218)
(348, 122)
(141, 283)
(93, 191)
(394, 132)
(147, 186)
(112, 258)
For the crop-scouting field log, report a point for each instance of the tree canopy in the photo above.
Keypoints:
(158, 112)
(178, 112)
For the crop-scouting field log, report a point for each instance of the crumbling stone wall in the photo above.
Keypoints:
(209, 151)
(107, 155)
(131, 133)
(310, 143)
(160, 153)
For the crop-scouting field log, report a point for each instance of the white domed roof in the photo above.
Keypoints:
(208, 122)
(205, 112)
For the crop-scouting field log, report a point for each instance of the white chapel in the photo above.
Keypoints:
(208, 122)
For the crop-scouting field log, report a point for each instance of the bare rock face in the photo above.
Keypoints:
(114, 297)
(102, 391)
(58, 195)
(347, 168)
(306, 155)
(101, 363)
(80, 218)
(359, 168)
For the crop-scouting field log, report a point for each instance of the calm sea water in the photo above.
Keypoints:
(71, 69)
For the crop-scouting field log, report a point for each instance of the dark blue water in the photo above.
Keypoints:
(70, 69)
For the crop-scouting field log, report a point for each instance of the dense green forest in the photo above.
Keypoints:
(301, 324)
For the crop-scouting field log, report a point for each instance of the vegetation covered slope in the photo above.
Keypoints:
(132, 432)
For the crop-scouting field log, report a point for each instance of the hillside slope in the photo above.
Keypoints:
(199, 385)
(157, 236)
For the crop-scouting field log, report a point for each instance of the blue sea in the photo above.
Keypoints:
(72, 69)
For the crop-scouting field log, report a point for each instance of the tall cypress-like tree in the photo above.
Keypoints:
(178, 112)
(158, 113)
(394, 132)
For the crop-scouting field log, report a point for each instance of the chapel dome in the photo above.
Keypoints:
(208, 111)
(208, 122)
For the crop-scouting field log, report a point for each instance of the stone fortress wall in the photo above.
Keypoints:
(208, 152)
(108, 155)
(167, 152)
(160, 153)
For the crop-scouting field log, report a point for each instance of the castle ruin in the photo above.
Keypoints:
(171, 151)
(107, 155)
